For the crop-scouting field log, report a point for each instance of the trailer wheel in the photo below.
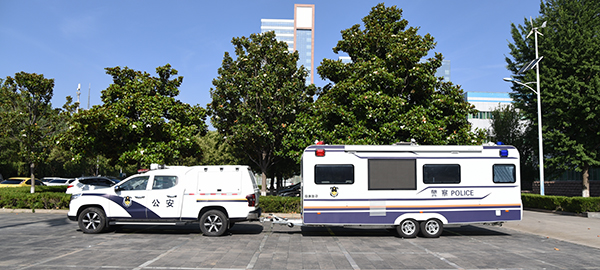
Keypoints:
(408, 228)
(213, 223)
(432, 228)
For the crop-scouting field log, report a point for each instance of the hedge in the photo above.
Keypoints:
(56, 198)
(275, 204)
(561, 203)
(43, 198)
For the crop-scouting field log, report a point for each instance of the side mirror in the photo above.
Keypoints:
(118, 188)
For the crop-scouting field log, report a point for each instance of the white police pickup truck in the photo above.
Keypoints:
(214, 196)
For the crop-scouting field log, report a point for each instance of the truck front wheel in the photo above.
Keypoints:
(213, 223)
(92, 220)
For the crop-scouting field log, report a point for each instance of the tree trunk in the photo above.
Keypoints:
(279, 181)
(32, 168)
(272, 185)
(585, 192)
(263, 168)
(263, 183)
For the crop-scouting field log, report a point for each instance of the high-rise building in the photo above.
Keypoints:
(298, 33)
(444, 71)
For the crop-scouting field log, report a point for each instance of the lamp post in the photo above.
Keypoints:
(535, 62)
(540, 142)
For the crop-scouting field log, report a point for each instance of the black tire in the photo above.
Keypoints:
(214, 223)
(432, 228)
(92, 220)
(408, 228)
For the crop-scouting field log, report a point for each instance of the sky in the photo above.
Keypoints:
(74, 41)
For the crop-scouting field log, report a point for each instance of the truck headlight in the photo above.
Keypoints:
(75, 196)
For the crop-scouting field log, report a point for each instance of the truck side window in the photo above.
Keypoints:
(441, 174)
(136, 183)
(504, 173)
(164, 182)
(334, 174)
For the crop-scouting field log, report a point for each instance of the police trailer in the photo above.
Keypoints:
(413, 188)
(214, 196)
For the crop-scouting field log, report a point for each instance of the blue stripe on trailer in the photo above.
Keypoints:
(357, 218)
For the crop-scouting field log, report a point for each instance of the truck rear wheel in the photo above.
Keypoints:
(408, 228)
(213, 223)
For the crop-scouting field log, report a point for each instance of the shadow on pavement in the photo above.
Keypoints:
(467, 230)
(238, 228)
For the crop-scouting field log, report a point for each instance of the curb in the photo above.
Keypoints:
(34, 211)
(282, 215)
(286, 215)
(586, 214)
(64, 211)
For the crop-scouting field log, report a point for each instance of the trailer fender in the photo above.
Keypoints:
(420, 217)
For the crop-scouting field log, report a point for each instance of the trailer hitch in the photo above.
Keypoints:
(282, 221)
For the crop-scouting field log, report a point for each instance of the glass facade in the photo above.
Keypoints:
(297, 33)
(304, 47)
(444, 71)
(284, 30)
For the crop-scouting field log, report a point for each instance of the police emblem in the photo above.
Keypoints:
(334, 192)
(127, 201)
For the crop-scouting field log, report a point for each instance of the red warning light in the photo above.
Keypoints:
(320, 153)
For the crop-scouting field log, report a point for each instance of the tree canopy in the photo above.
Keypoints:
(569, 82)
(509, 128)
(389, 92)
(27, 119)
(141, 122)
(257, 96)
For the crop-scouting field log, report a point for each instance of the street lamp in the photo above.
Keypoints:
(540, 142)
(535, 62)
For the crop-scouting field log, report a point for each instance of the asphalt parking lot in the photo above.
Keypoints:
(51, 241)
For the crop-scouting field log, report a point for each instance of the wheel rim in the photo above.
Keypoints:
(432, 227)
(91, 221)
(408, 227)
(213, 223)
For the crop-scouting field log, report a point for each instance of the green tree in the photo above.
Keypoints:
(141, 122)
(507, 124)
(389, 92)
(216, 150)
(57, 157)
(509, 128)
(27, 119)
(257, 96)
(569, 82)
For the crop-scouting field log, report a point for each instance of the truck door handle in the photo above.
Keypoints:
(140, 197)
(172, 196)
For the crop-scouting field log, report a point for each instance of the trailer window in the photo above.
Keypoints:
(441, 173)
(392, 174)
(334, 174)
(504, 173)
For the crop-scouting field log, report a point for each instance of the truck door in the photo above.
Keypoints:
(132, 196)
(165, 197)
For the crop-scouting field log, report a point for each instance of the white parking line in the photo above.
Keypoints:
(144, 265)
(51, 259)
(436, 255)
(260, 248)
(344, 251)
